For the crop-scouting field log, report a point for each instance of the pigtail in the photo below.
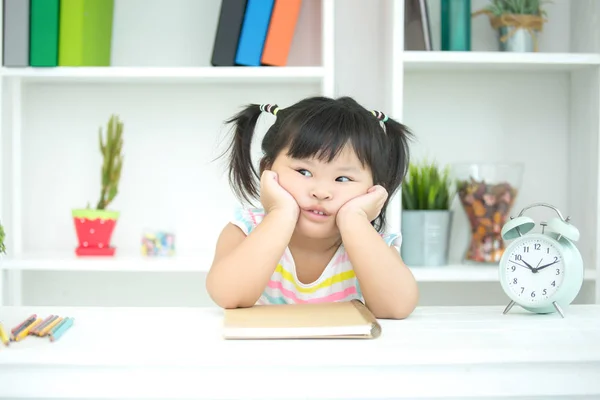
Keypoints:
(398, 136)
(242, 173)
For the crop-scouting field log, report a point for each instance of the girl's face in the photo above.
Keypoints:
(322, 188)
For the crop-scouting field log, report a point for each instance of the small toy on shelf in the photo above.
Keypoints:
(158, 244)
(94, 226)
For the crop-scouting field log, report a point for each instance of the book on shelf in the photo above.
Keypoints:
(417, 30)
(44, 33)
(281, 32)
(15, 34)
(225, 44)
(255, 32)
(85, 32)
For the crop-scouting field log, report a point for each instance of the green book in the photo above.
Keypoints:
(43, 45)
(85, 33)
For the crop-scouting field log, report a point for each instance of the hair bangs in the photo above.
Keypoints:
(327, 132)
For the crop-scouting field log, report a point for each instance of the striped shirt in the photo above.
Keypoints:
(337, 282)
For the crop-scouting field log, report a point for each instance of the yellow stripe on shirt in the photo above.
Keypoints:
(342, 276)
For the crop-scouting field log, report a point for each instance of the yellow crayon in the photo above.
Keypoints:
(25, 331)
(3, 336)
(48, 327)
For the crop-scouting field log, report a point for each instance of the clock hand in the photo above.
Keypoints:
(546, 265)
(520, 265)
(528, 266)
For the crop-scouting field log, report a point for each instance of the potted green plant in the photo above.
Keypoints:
(518, 23)
(426, 215)
(94, 226)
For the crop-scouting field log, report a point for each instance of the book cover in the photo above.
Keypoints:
(417, 31)
(85, 33)
(228, 32)
(281, 32)
(15, 33)
(254, 32)
(43, 43)
(347, 319)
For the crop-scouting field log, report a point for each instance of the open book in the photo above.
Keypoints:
(350, 319)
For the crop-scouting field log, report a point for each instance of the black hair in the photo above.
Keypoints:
(320, 127)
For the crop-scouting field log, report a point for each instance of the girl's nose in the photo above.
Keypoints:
(321, 194)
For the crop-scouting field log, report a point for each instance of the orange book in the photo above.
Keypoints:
(281, 32)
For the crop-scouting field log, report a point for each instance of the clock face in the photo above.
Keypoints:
(534, 270)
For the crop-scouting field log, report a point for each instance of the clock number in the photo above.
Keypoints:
(515, 281)
(537, 246)
(533, 294)
(544, 292)
(548, 250)
(555, 259)
(518, 257)
(557, 271)
(526, 249)
(513, 268)
(522, 288)
(553, 283)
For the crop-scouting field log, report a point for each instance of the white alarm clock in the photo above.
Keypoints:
(541, 272)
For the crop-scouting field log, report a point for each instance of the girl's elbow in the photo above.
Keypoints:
(223, 297)
(406, 307)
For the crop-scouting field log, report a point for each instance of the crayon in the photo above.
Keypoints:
(3, 336)
(57, 326)
(21, 328)
(44, 331)
(22, 334)
(44, 324)
(32, 317)
(41, 325)
(57, 333)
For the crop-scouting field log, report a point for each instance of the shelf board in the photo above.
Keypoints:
(481, 61)
(118, 263)
(200, 263)
(467, 273)
(166, 74)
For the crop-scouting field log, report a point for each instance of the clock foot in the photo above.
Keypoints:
(557, 307)
(508, 307)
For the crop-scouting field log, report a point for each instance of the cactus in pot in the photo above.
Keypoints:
(2, 236)
(94, 226)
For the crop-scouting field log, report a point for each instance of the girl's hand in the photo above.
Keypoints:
(274, 197)
(368, 205)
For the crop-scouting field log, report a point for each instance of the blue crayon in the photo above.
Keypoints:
(61, 328)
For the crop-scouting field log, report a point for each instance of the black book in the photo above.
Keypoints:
(228, 32)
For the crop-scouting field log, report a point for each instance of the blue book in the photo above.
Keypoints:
(254, 32)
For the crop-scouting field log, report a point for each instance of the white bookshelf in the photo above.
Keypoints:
(122, 75)
(542, 109)
(457, 103)
(61, 262)
(437, 61)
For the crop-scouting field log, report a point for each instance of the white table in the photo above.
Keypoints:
(178, 353)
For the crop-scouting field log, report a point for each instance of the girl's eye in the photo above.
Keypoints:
(343, 179)
(304, 172)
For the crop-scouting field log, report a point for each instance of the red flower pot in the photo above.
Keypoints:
(94, 231)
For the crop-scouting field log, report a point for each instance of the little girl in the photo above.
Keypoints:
(328, 166)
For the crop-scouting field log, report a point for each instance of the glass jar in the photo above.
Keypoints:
(487, 193)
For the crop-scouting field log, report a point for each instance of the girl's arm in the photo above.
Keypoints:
(388, 286)
(243, 265)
